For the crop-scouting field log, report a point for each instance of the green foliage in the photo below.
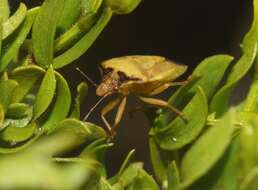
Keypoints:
(216, 148)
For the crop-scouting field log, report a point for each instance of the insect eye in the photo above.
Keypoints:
(122, 77)
(107, 71)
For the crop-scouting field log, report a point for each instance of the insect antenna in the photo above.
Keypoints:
(94, 107)
(86, 76)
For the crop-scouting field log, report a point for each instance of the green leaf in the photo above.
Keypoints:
(128, 176)
(2, 115)
(71, 12)
(252, 36)
(199, 158)
(250, 182)
(44, 29)
(122, 6)
(173, 176)
(18, 110)
(18, 134)
(218, 176)
(104, 184)
(26, 76)
(219, 103)
(90, 6)
(61, 105)
(211, 70)
(179, 133)
(45, 94)
(125, 164)
(12, 48)
(10, 25)
(37, 158)
(248, 143)
(158, 162)
(83, 131)
(4, 9)
(6, 92)
(82, 90)
(82, 26)
(85, 42)
(96, 150)
(11, 150)
(143, 181)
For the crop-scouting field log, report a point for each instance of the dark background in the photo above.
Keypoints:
(184, 31)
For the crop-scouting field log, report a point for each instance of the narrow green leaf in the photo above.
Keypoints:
(6, 92)
(44, 29)
(199, 158)
(173, 176)
(71, 12)
(179, 132)
(9, 53)
(85, 42)
(251, 180)
(45, 94)
(252, 36)
(18, 134)
(26, 76)
(125, 164)
(4, 9)
(61, 106)
(219, 103)
(10, 25)
(159, 165)
(82, 90)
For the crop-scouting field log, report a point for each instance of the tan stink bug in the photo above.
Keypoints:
(142, 76)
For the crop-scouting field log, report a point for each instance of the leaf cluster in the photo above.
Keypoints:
(40, 123)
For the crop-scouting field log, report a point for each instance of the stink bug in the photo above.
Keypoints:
(141, 76)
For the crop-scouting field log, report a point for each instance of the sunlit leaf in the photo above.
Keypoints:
(12, 48)
(10, 25)
(219, 103)
(44, 29)
(179, 132)
(82, 90)
(6, 92)
(4, 9)
(199, 159)
(26, 76)
(85, 42)
(45, 94)
(61, 106)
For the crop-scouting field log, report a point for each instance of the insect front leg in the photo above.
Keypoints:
(162, 103)
(109, 107)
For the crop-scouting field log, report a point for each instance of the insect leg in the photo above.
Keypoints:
(165, 86)
(162, 103)
(119, 115)
(109, 107)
